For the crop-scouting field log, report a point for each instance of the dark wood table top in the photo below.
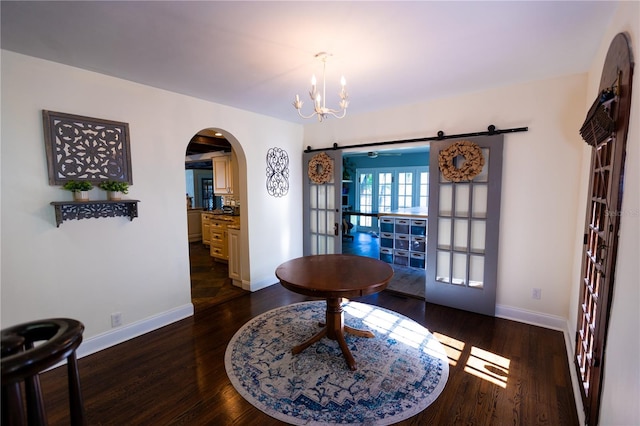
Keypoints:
(335, 275)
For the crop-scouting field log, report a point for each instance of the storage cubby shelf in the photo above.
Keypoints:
(76, 210)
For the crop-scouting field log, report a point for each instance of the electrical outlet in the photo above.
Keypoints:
(116, 319)
(536, 293)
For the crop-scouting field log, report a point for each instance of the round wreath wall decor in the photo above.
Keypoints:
(471, 167)
(320, 168)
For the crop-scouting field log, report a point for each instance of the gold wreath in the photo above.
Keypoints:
(320, 168)
(471, 167)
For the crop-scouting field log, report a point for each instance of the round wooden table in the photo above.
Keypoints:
(333, 277)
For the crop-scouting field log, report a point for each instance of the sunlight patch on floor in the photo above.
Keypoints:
(452, 347)
(406, 331)
(483, 364)
(488, 366)
(478, 362)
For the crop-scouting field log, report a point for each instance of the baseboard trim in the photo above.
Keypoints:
(255, 286)
(531, 317)
(127, 332)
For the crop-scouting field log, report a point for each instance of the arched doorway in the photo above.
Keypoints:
(213, 186)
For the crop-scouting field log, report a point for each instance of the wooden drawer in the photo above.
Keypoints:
(218, 252)
(218, 225)
(216, 237)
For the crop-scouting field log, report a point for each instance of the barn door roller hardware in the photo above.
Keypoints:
(491, 130)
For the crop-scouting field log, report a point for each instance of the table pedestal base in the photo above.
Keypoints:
(334, 329)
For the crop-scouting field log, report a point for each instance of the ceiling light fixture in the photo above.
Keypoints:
(319, 102)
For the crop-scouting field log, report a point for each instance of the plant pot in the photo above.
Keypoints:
(81, 195)
(114, 195)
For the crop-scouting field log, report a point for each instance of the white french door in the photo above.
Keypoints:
(462, 242)
(322, 220)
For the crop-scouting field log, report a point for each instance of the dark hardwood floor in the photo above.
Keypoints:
(501, 372)
(210, 282)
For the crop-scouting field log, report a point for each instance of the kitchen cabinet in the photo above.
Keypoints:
(235, 265)
(206, 227)
(194, 224)
(218, 240)
(218, 235)
(222, 175)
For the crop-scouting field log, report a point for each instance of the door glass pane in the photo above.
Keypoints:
(314, 243)
(322, 244)
(424, 189)
(442, 266)
(444, 233)
(313, 222)
(405, 189)
(365, 198)
(330, 226)
(476, 271)
(480, 195)
(313, 196)
(330, 245)
(331, 196)
(322, 218)
(322, 196)
(459, 275)
(484, 174)
(460, 233)
(462, 199)
(385, 183)
(445, 206)
(478, 232)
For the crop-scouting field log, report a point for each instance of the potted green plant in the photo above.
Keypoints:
(115, 189)
(79, 188)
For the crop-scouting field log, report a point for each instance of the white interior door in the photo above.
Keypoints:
(322, 206)
(464, 218)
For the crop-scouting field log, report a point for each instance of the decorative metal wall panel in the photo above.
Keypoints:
(86, 149)
(277, 172)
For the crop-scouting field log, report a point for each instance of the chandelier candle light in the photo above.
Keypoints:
(319, 102)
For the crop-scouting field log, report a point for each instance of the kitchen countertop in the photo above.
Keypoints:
(220, 216)
(421, 212)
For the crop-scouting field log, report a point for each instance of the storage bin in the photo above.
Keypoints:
(418, 243)
(386, 224)
(417, 260)
(402, 242)
(386, 239)
(402, 226)
(401, 257)
(418, 227)
(386, 255)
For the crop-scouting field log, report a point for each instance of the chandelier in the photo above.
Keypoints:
(319, 102)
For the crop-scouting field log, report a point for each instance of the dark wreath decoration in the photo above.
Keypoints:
(471, 167)
(320, 168)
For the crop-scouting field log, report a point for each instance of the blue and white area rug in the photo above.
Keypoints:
(399, 372)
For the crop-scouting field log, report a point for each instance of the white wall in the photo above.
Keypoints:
(88, 269)
(540, 176)
(621, 391)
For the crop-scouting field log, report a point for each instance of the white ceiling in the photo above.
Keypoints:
(258, 55)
